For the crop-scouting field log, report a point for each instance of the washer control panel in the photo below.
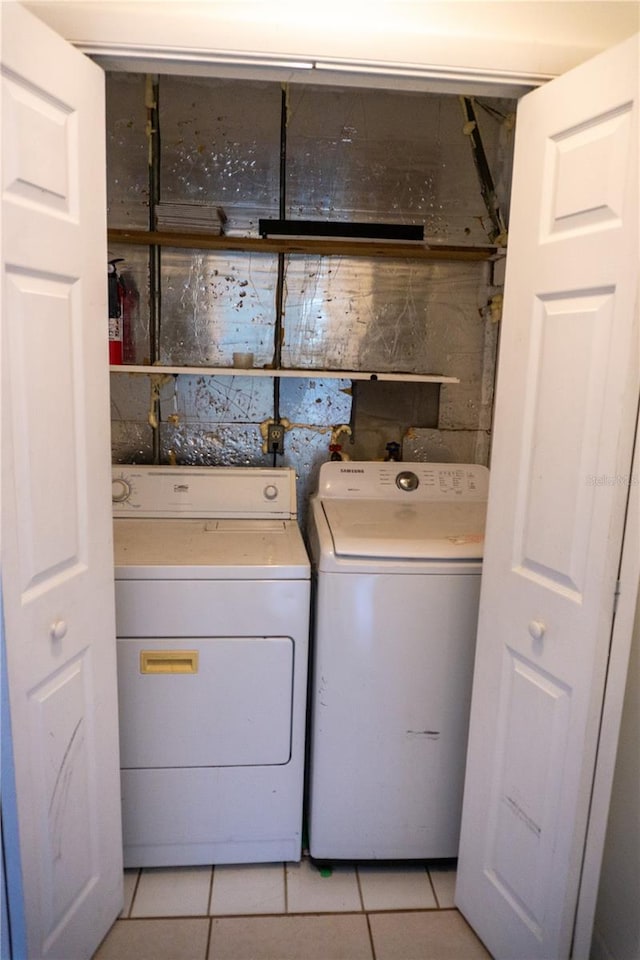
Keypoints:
(398, 481)
(210, 492)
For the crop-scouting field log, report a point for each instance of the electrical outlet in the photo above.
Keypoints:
(275, 438)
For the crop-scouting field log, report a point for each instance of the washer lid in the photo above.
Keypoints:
(209, 550)
(422, 530)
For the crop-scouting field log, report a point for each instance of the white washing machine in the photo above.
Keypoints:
(212, 587)
(398, 552)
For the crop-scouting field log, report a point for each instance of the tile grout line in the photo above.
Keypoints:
(286, 890)
(370, 932)
(210, 901)
(360, 893)
(366, 914)
(433, 888)
(134, 894)
(207, 948)
(304, 913)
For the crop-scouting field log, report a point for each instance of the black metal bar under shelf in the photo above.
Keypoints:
(332, 229)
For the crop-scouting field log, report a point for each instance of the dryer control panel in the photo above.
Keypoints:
(403, 481)
(204, 492)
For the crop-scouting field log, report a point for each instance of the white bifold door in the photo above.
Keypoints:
(567, 398)
(57, 565)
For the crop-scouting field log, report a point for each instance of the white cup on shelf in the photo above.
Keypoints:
(243, 361)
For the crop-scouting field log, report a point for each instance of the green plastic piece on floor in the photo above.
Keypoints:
(326, 871)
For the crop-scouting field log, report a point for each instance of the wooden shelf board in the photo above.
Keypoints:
(318, 247)
(310, 374)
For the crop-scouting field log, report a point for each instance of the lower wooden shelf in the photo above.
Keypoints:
(307, 373)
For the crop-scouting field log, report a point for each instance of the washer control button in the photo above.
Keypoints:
(120, 490)
(270, 492)
(407, 481)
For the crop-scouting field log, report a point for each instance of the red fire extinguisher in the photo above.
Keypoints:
(116, 300)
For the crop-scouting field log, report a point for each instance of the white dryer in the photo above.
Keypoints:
(397, 548)
(212, 611)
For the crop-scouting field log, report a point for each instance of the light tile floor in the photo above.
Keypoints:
(291, 911)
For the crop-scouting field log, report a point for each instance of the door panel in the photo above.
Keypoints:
(57, 571)
(43, 176)
(599, 145)
(59, 739)
(568, 384)
(569, 339)
(47, 321)
(524, 807)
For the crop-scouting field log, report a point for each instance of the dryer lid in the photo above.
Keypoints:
(219, 549)
(379, 529)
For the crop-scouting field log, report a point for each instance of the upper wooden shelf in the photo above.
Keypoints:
(326, 248)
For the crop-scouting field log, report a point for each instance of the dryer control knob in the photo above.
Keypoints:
(120, 490)
(407, 481)
(271, 492)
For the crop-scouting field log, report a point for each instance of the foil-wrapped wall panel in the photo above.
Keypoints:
(315, 414)
(446, 446)
(127, 151)
(131, 442)
(131, 406)
(214, 420)
(130, 397)
(375, 155)
(316, 402)
(305, 450)
(387, 315)
(468, 405)
(204, 399)
(216, 304)
(221, 146)
(214, 444)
